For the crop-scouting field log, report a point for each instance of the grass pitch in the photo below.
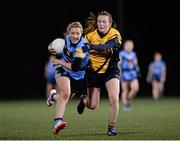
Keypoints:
(148, 120)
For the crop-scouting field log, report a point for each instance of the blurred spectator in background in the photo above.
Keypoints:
(49, 72)
(157, 75)
(129, 73)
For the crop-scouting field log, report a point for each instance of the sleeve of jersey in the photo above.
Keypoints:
(79, 53)
(118, 36)
(114, 42)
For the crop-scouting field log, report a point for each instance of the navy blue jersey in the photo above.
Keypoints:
(128, 65)
(71, 52)
(157, 69)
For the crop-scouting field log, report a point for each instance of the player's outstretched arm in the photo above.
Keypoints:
(113, 43)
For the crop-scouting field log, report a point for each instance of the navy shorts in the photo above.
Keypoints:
(98, 80)
(77, 86)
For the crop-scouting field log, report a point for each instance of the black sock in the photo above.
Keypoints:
(58, 119)
(110, 126)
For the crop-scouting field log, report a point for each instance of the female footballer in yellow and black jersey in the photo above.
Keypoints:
(104, 70)
(105, 61)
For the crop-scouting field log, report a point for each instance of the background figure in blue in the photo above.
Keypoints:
(129, 72)
(157, 75)
(70, 75)
(49, 73)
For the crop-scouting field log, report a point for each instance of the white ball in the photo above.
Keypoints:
(53, 91)
(58, 45)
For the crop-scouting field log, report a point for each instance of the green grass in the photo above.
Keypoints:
(32, 120)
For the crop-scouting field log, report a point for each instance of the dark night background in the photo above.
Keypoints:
(27, 27)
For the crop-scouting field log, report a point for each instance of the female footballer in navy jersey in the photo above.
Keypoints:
(70, 75)
(157, 75)
(129, 73)
(49, 73)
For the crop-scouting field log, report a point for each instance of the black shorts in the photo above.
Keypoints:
(77, 86)
(156, 77)
(98, 80)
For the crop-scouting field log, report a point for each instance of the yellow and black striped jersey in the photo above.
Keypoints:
(99, 58)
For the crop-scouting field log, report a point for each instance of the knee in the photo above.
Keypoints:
(136, 90)
(114, 102)
(64, 95)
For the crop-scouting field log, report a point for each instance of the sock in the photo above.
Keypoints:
(56, 120)
(111, 126)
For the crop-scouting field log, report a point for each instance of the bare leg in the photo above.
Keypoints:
(92, 101)
(63, 88)
(134, 88)
(124, 94)
(63, 85)
(155, 90)
(161, 89)
(113, 94)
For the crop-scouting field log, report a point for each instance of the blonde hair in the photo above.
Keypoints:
(91, 21)
(73, 25)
